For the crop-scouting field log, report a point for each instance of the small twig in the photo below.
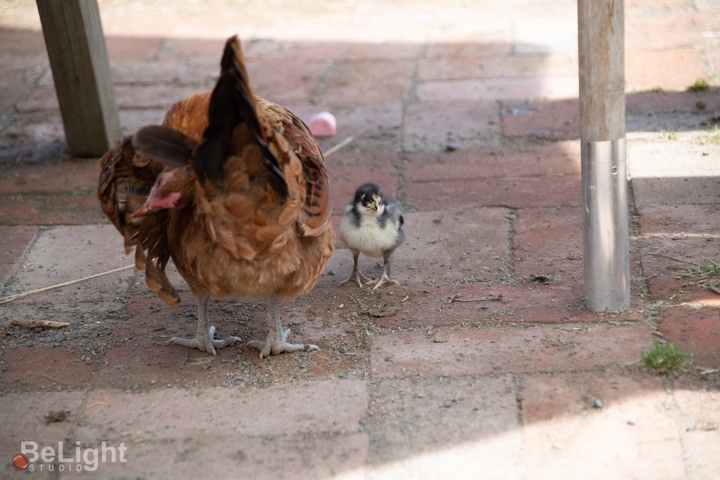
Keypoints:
(45, 289)
(708, 372)
(338, 147)
(499, 298)
(29, 323)
(676, 259)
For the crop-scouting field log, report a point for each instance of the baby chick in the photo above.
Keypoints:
(372, 224)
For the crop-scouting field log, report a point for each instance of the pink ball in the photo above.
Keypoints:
(323, 124)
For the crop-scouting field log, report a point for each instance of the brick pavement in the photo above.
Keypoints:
(483, 362)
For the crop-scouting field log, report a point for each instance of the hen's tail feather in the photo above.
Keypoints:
(232, 102)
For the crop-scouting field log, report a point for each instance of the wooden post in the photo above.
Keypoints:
(601, 57)
(81, 71)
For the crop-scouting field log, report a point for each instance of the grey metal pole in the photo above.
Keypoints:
(604, 172)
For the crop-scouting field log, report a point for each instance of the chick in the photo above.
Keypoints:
(372, 224)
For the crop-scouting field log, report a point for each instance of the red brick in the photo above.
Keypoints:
(512, 192)
(631, 436)
(66, 175)
(499, 89)
(695, 331)
(298, 407)
(480, 428)
(556, 120)
(16, 241)
(486, 66)
(678, 220)
(346, 82)
(40, 368)
(489, 349)
(432, 126)
(25, 420)
(85, 250)
(670, 69)
(561, 158)
(41, 209)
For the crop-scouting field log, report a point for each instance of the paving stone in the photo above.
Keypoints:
(281, 457)
(658, 178)
(695, 330)
(300, 407)
(491, 66)
(71, 176)
(548, 241)
(669, 265)
(676, 221)
(555, 120)
(40, 368)
(536, 35)
(560, 158)
(433, 125)
(490, 349)
(16, 242)
(52, 209)
(663, 68)
(85, 250)
(499, 89)
(510, 192)
(631, 436)
(480, 428)
(25, 420)
(346, 82)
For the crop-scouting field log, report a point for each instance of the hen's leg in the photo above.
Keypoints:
(385, 278)
(356, 275)
(275, 342)
(204, 337)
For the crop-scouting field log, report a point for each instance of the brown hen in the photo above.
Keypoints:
(234, 189)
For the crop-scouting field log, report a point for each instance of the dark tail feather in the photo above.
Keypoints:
(232, 102)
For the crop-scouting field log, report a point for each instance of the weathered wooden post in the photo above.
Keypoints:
(81, 71)
(601, 58)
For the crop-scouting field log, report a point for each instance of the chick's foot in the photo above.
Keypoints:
(358, 278)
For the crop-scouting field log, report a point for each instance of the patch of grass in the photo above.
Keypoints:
(668, 136)
(709, 275)
(713, 134)
(699, 86)
(664, 357)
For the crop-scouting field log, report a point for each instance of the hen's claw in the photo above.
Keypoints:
(277, 344)
(276, 340)
(205, 341)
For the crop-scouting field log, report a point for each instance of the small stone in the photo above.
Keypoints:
(452, 146)
(153, 382)
(449, 402)
(598, 404)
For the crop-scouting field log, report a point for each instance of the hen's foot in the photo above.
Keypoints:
(276, 344)
(357, 276)
(205, 341)
(383, 280)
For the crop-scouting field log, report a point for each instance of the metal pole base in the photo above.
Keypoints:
(605, 225)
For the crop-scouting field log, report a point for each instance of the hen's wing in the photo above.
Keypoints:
(315, 213)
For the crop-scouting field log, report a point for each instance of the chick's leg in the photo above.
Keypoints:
(385, 278)
(276, 340)
(356, 275)
(204, 337)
